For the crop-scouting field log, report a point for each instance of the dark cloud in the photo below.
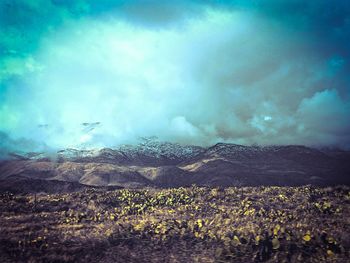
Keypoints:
(266, 72)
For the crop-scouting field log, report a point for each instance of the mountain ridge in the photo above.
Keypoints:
(164, 164)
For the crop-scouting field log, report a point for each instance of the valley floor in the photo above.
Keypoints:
(249, 224)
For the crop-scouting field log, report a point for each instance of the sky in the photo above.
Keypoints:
(87, 74)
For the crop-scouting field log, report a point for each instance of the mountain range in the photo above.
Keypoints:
(153, 163)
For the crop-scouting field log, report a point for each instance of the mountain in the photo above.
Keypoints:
(152, 163)
(149, 152)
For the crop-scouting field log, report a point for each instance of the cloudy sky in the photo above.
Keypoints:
(92, 73)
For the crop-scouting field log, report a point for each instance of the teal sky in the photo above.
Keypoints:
(198, 72)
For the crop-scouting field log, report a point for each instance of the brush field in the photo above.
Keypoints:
(195, 224)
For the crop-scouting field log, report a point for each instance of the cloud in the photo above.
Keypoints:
(326, 113)
(197, 72)
(21, 146)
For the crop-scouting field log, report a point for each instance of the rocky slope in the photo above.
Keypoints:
(163, 164)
